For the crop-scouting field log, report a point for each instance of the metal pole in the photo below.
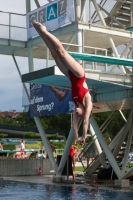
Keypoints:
(70, 40)
(47, 60)
(122, 116)
(78, 9)
(70, 140)
(90, 20)
(21, 77)
(128, 173)
(115, 52)
(66, 151)
(46, 143)
(37, 3)
(122, 55)
(99, 12)
(125, 130)
(128, 146)
(28, 6)
(105, 147)
(9, 28)
(132, 25)
(109, 38)
(101, 157)
(83, 3)
(108, 122)
(106, 66)
(83, 47)
(113, 143)
(110, 116)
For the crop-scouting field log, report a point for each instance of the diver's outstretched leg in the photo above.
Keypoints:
(68, 61)
(54, 53)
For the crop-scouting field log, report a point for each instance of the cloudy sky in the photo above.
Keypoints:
(10, 84)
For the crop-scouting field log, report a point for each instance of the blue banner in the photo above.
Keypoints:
(49, 100)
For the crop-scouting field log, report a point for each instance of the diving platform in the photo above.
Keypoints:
(109, 91)
(95, 38)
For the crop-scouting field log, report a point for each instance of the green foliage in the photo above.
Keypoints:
(8, 121)
(34, 146)
(58, 122)
(78, 145)
(44, 124)
(24, 121)
(9, 147)
(58, 145)
(30, 134)
(63, 123)
(53, 136)
(2, 135)
(79, 169)
(107, 137)
(116, 124)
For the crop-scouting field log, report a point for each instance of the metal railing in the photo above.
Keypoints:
(13, 26)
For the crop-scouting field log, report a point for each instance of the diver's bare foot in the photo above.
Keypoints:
(39, 27)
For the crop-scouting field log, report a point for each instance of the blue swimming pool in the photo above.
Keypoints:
(11, 190)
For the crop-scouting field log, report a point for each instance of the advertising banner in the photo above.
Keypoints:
(53, 15)
(49, 100)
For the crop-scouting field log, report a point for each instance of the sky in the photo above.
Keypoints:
(11, 89)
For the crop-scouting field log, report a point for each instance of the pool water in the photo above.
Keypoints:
(11, 190)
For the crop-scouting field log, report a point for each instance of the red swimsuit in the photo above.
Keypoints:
(72, 151)
(78, 91)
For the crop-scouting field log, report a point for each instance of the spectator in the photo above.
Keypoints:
(1, 146)
(22, 149)
(73, 153)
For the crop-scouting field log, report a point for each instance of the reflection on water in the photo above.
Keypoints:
(10, 190)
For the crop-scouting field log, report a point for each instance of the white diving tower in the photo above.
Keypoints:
(102, 33)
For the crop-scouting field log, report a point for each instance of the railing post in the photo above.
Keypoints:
(83, 46)
(90, 19)
(9, 28)
(106, 66)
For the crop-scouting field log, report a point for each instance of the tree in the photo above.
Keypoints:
(3, 135)
(30, 134)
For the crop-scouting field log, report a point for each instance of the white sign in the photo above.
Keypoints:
(52, 15)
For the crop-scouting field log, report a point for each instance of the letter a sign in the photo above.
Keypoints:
(53, 15)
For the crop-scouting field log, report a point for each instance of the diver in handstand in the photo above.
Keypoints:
(75, 73)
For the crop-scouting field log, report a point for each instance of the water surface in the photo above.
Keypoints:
(11, 190)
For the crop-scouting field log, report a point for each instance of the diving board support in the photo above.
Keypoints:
(37, 119)
(124, 133)
(107, 121)
(113, 143)
(128, 146)
(115, 52)
(109, 38)
(70, 140)
(99, 13)
(122, 55)
(82, 10)
(24, 85)
(106, 148)
(66, 152)
(46, 143)
(130, 171)
(101, 157)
